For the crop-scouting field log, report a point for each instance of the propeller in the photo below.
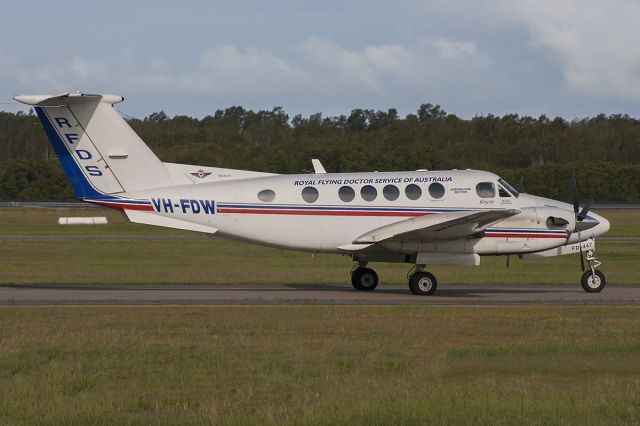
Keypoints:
(580, 215)
(584, 211)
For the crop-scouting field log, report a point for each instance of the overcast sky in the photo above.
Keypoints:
(567, 58)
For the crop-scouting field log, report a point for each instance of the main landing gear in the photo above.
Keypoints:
(364, 279)
(421, 283)
(592, 280)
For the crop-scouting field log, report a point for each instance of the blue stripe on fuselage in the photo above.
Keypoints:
(338, 208)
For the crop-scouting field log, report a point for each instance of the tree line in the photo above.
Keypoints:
(539, 154)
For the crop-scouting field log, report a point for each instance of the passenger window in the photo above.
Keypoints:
(436, 190)
(391, 192)
(368, 193)
(310, 194)
(413, 191)
(486, 190)
(503, 192)
(266, 195)
(346, 194)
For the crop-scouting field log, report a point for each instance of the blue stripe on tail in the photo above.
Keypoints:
(81, 186)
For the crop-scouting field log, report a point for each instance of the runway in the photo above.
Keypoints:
(187, 294)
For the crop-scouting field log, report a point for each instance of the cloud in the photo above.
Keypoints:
(321, 72)
(86, 69)
(567, 57)
(225, 70)
(61, 76)
(455, 49)
(336, 68)
(594, 43)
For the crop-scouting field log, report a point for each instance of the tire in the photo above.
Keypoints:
(592, 284)
(364, 279)
(423, 284)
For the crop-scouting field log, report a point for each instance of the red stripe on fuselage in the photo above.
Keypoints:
(505, 235)
(320, 212)
(123, 206)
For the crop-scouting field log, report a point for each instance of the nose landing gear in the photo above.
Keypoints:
(593, 280)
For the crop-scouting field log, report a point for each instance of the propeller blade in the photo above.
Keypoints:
(574, 193)
(579, 218)
(584, 211)
(581, 256)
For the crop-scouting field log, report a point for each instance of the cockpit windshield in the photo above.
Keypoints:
(509, 187)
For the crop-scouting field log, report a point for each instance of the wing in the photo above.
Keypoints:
(441, 226)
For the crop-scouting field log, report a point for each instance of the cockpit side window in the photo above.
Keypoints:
(503, 192)
(486, 190)
(510, 188)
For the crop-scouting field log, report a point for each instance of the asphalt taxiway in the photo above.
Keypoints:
(191, 294)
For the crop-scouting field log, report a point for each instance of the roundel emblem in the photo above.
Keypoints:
(201, 174)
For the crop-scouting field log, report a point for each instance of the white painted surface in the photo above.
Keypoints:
(97, 220)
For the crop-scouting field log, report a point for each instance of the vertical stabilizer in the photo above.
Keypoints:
(99, 151)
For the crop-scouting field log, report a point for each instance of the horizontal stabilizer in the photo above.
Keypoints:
(147, 218)
(64, 99)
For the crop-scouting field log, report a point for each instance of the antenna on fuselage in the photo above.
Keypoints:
(317, 166)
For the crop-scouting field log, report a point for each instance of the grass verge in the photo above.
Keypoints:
(319, 365)
(225, 262)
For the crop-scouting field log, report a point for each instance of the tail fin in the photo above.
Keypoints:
(99, 152)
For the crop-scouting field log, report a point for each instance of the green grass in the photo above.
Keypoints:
(44, 221)
(624, 222)
(303, 365)
(224, 262)
(319, 365)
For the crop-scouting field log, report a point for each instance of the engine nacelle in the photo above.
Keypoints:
(556, 218)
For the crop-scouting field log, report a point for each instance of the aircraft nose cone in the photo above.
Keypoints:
(596, 223)
(604, 225)
(588, 223)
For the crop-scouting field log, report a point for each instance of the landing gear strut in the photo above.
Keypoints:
(422, 283)
(593, 280)
(363, 278)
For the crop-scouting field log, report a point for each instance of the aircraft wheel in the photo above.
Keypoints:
(423, 283)
(593, 283)
(364, 279)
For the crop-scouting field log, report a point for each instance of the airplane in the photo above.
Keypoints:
(421, 217)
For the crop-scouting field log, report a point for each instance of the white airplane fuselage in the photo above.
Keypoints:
(329, 223)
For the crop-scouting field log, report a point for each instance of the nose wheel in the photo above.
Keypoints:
(593, 280)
